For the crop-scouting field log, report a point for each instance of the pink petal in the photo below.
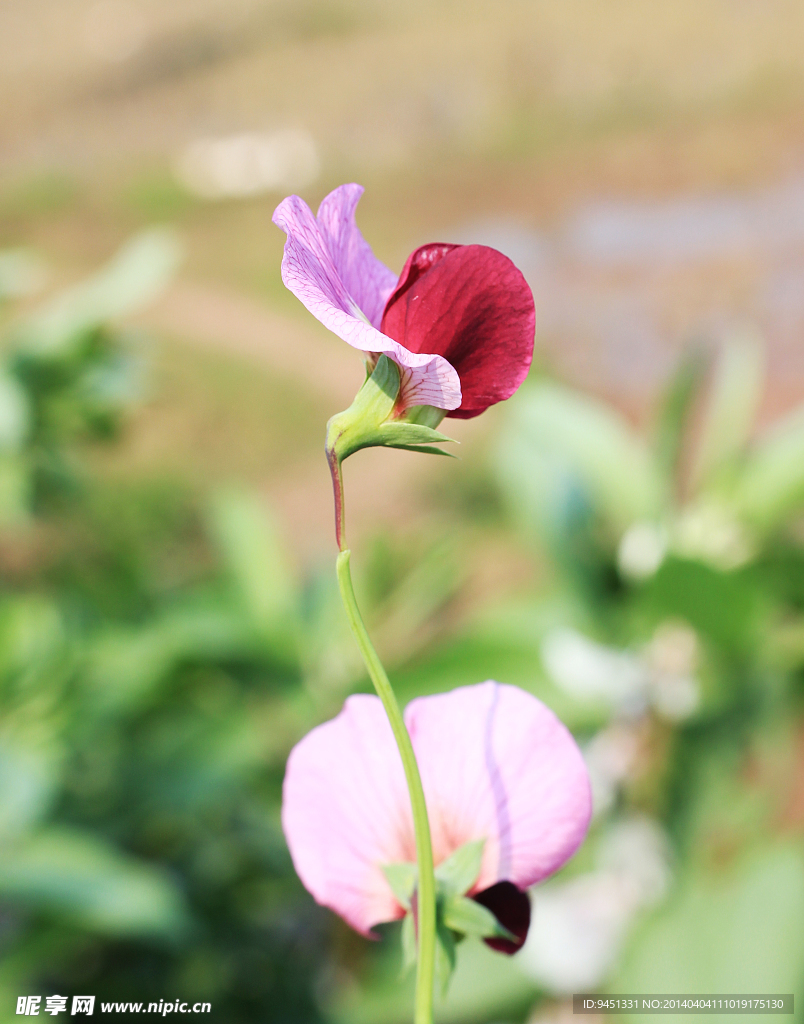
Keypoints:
(497, 764)
(346, 811)
(330, 268)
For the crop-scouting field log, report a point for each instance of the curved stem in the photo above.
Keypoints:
(425, 971)
(337, 489)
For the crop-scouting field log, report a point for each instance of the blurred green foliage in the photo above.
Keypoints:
(690, 529)
(144, 726)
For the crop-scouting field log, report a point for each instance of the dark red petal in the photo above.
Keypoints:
(470, 304)
(511, 907)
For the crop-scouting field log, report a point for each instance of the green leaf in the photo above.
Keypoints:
(458, 873)
(726, 606)
(737, 927)
(255, 556)
(465, 916)
(732, 408)
(675, 409)
(127, 665)
(30, 770)
(132, 279)
(402, 878)
(16, 487)
(770, 486)
(68, 872)
(557, 439)
(15, 414)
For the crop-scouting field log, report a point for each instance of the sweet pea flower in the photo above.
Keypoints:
(459, 321)
(496, 766)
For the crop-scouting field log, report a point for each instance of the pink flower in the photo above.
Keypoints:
(459, 322)
(496, 765)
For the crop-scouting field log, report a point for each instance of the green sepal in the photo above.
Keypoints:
(426, 414)
(428, 449)
(402, 878)
(357, 427)
(445, 954)
(399, 432)
(464, 915)
(456, 914)
(409, 951)
(367, 424)
(459, 872)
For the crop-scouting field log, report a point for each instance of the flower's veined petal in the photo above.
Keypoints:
(470, 304)
(310, 272)
(346, 811)
(366, 279)
(498, 765)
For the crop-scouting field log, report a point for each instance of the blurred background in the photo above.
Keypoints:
(624, 538)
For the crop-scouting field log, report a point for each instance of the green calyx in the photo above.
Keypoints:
(457, 915)
(369, 420)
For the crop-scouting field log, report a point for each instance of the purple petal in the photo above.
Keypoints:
(328, 266)
(346, 811)
(366, 279)
(498, 765)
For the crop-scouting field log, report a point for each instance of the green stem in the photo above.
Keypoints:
(425, 971)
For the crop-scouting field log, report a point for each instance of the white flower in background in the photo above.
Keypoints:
(588, 670)
(706, 531)
(579, 926)
(660, 676)
(611, 757)
(642, 550)
(709, 532)
(672, 659)
(247, 164)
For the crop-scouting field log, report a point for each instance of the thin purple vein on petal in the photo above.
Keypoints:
(366, 279)
(498, 765)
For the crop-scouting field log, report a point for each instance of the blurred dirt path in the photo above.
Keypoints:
(226, 321)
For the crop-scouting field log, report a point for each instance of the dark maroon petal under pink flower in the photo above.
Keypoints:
(511, 907)
(470, 304)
